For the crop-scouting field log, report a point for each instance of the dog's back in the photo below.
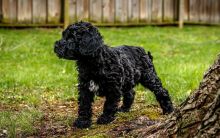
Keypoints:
(133, 53)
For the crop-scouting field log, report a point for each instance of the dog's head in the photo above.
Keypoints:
(79, 39)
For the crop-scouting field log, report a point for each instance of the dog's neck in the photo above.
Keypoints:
(97, 59)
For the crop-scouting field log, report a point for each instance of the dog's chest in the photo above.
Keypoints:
(93, 87)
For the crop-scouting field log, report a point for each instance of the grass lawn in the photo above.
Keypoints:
(38, 91)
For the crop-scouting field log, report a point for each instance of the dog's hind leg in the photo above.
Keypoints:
(128, 99)
(150, 80)
(110, 108)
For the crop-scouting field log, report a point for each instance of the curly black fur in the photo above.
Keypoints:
(109, 72)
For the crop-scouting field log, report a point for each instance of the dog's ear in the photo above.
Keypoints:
(90, 42)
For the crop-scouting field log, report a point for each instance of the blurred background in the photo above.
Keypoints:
(108, 12)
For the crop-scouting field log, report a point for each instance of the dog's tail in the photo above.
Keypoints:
(150, 56)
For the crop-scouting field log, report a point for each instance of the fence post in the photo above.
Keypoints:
(66, 13)
(181, 13)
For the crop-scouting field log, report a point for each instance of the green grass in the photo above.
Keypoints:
(30, 72)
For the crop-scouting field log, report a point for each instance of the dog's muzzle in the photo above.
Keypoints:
(59, 49)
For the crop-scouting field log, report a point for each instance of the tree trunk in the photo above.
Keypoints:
(198, 116)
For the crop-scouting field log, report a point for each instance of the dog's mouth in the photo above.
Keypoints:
(59, 52)
(64, 53)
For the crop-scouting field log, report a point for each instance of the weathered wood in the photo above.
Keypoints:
(186, 10)
(133, 10)
(0, 10)
(86, 10)
(82, 10)
(145, 10)
(168, 10)
(181, 13)
(54, 11)
(96, 10)
(194, 10)
(208, 11)
(24, 11)
(39, 11)
(176, 10)
(157, 10)
(108, 11)
(9, 11)
(96, 24)
(121, 8)
(24, 25)
(66, 13)
(202, 14)
(215, 11)
(72, 11)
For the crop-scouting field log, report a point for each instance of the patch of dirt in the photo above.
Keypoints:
(58, 116)
(124, 129)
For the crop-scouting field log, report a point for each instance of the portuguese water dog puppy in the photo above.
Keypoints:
(109, 72)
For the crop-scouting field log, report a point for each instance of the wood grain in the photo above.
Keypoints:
(9, 11)
(72, 10)
(54, 11)
(157, 10)
(145, 10)
(96, 10)
(24, 11)
(168, 10)
(121, 8)
(39, 11)
(133, 10)
(194, 10)
(82, 10)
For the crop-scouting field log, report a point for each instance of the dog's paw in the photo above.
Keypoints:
(104, 119)
(123, 109)
(82, 123)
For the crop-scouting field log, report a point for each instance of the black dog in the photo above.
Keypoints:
(109, 72)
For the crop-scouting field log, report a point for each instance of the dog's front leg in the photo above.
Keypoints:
(85, 100)
(110, 108)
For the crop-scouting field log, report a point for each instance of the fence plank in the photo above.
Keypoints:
(66, 21)
(156, 10)
(214, 11)
(72, 10)
(186, 10)
(181, 13)
(96, 10)
(121, 14)
(24, 11)
(9, 11)
(39, 11)
(0, 10)
(168, 11)
(202, 11)
(145, 10)
(133, 10)
(194, 10)
(82, 10)
(86, 10)
(208, 11)
(108, 11)
(54, 11)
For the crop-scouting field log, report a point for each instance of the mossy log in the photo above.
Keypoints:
(198, 116)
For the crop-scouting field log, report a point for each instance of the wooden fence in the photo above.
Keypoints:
(107, 12)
